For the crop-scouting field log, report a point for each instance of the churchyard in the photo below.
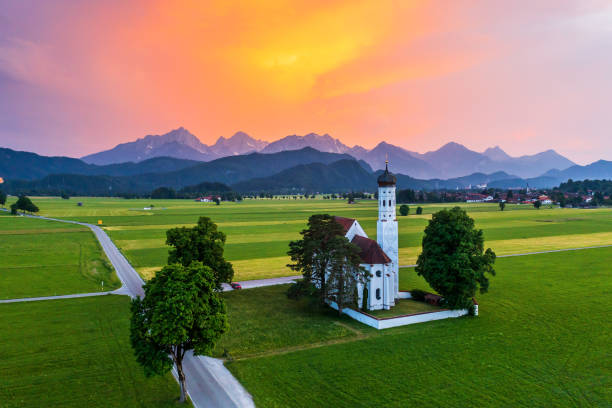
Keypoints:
(541, 339)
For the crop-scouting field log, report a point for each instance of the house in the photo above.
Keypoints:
(207, 199)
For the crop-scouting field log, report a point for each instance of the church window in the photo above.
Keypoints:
(377, 293)
(383, 203)
(389, 203)
(378, 274)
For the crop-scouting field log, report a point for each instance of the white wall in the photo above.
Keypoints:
(402, 320)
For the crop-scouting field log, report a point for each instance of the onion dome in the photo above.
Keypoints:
(386, 179)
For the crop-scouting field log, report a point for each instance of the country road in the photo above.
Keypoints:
(209, 383)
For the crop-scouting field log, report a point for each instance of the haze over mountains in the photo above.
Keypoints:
(451, 160)
(293, 171)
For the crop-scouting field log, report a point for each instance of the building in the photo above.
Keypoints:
(380, 257)
(207, 199)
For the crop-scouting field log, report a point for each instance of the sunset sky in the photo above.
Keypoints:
(78, 76)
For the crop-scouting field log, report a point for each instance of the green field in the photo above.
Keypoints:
(74, 353)
(258, 231)
(46, 258)
(542, 339)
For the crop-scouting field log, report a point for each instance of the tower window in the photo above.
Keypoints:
(378, 274)
(383, 203)
(377, 293)
(389, 203)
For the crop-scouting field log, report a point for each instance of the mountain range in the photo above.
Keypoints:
(304, 170)
(450, 161)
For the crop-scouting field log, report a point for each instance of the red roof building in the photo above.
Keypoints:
(371, 253)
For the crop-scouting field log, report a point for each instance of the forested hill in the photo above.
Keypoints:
(16, 165)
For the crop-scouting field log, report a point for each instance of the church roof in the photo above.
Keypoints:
(371, 252)
(387, 179)
(346, 223)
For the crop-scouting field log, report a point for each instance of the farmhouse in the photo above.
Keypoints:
(380, 257)
(207, 199)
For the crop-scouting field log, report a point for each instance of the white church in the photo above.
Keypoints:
(379, 257)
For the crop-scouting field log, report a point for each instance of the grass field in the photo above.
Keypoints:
(46, 258)
(74, 353)
(258, 231)
(542, 339)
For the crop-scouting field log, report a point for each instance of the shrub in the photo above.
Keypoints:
(418, 294)
(419, 210)
(404, 210)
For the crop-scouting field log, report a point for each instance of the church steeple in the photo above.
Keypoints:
(386, 228)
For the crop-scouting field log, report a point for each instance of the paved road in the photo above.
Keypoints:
(209, 383)
(263, 282)
(77, 295)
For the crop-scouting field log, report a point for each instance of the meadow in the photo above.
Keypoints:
(74, 353)
(47, 258)
(542, 339)
(258, 231)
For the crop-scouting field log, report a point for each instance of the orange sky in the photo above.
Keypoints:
(78, 77)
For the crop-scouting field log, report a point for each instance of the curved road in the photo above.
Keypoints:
(209, 383)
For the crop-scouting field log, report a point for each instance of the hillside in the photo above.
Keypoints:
(31, 166)
(340, 176)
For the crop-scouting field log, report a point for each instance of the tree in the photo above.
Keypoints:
(14, 209)
(502, 205)
(537, 204)
(419, 210)
(163, 192)
(203, 243)
(404, 209)
(217, 200)
(453, 260)
(345, 273)
(181, 311)
(25, 204)
(509, 195)
(314, 253)
(2, 198)
(65, 195)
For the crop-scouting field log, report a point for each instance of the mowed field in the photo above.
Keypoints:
(47, 258)
(542, 340)
(74, 353)
(258, 231)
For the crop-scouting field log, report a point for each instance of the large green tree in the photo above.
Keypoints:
(453, 260)
(181, 311)
(25, 204)
(345, 273)
(312, 255)
(2, 198)
(203, 243)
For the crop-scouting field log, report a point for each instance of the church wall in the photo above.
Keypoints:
(355, 230)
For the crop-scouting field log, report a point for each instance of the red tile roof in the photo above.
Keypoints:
(346, 223)
(371, 252)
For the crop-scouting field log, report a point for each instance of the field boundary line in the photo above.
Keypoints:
(550, 251)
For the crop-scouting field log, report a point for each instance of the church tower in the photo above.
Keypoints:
(386, 228)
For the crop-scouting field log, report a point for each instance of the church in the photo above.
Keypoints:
(379, 258)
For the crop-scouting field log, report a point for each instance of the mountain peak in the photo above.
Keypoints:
(496, 153)
(239, 143)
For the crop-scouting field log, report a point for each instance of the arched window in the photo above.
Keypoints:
(378, 274)
(378, 294)
(383, 203)
(389, 203)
